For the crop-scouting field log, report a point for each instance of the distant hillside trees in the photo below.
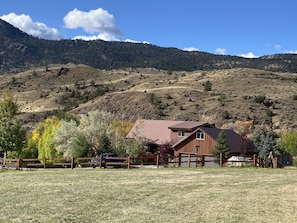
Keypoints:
(116, 54)
(207, 86)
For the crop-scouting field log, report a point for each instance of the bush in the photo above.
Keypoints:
(269, 112)
(260, 99)
(226, 115)
(207, 86)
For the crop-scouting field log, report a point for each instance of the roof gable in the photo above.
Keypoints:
(232, 138)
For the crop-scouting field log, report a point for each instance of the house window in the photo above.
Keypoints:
(200, 135)
(181, 133)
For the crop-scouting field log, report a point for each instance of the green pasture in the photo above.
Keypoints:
(149, 195)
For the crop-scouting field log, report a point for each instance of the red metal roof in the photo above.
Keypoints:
(158, 131)
(152, 130)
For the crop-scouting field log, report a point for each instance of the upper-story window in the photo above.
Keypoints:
(200, 135)
(181, 133)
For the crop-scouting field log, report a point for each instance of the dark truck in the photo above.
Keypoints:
(102, 158)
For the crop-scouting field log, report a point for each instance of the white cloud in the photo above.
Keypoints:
(98, 21)
(135, 41)
(38, 29)
(291, 51)
(277, 47)
(191, 49)
(221, 51)
(101, 36)
(248, 55)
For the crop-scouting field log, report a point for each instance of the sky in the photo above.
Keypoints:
(247, 28)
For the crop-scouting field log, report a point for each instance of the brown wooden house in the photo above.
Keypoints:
(185, 137)
(202, 141)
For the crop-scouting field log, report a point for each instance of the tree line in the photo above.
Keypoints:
(100, 132)
(64, 135)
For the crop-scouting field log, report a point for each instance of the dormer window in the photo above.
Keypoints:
(200, 135)
(181, 133)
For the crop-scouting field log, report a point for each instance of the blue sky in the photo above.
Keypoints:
(248, 28)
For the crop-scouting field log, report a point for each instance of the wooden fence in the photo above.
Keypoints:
(190, 160)
(63, 162)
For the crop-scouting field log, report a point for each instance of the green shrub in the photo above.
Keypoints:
(226, 115)
(269, 112)
(207, 86)
(260, 99)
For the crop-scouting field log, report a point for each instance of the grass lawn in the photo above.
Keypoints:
(149, 195)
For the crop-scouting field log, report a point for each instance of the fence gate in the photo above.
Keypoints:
(188, 160)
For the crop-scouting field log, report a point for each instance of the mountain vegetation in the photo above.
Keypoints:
(239, 98)
(20, 51)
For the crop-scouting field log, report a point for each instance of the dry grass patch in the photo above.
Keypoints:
(149, 195)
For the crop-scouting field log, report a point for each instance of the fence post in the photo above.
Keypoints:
(18, 164)
(221, 159)
(255, 160)
(100, 161)
(44, 162)
(274, 162)
(72, 163)
(128, 162)
(189, 160)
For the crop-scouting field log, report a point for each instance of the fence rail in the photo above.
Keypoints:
(189, 160)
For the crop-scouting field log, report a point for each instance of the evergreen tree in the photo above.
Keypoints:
(265, 141)
(221, 146)
(12, 135)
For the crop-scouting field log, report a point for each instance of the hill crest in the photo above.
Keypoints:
(20, 51)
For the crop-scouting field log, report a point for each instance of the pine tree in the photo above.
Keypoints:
(221, 146)
(265, 141)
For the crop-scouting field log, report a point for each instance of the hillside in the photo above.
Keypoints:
(20, 51)
(240, 94)
(136, 80)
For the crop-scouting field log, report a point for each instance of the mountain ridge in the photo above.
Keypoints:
(20, 51)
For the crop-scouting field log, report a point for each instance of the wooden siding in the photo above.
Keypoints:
(189, 145)
(174, 135)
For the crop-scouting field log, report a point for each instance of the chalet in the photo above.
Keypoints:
(186, 138)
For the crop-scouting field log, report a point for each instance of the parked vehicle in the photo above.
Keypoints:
(102, 157)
